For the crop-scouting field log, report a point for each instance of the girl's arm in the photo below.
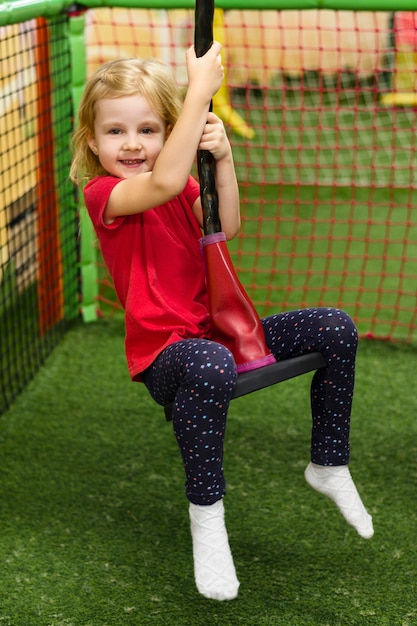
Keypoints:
(214, 139)
(173, 165)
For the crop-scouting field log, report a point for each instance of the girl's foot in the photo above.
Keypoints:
(336, 483)
(214, 570)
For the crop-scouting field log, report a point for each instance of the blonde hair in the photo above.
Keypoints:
(149, 78)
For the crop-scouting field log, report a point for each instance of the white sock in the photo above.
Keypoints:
(337, 484)
(214, 570)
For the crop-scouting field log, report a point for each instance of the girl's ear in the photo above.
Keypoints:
(168, 131)
(93, 146)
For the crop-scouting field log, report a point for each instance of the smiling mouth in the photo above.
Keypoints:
(132, 162)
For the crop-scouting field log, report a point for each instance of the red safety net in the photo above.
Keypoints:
(321, 110)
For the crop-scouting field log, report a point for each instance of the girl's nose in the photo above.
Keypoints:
(132, 143)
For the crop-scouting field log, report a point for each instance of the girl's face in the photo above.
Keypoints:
(128, 135)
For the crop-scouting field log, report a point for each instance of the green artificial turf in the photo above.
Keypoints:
(94, 522)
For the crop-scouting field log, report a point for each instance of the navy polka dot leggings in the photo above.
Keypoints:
(198, 376)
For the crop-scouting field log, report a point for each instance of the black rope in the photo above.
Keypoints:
(206, 164)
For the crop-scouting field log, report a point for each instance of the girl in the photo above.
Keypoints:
(135, 146)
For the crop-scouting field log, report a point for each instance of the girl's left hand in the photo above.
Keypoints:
(214, 138)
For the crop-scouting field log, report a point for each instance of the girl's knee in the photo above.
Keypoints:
(212, 362)
(342, 329)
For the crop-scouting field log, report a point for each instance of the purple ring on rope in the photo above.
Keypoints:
(269, 359)
(213, 238)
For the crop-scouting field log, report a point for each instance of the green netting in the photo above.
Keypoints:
(38, 225)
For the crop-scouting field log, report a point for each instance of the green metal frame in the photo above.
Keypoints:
(13, 11)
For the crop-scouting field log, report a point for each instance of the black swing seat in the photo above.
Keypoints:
(247, 382)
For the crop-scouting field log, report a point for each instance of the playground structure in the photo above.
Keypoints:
(405, 61)
(325, 160)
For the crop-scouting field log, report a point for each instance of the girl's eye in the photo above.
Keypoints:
(146, 131)
(115, 131)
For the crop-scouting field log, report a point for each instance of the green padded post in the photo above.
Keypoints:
(88, 254)
(60, 60)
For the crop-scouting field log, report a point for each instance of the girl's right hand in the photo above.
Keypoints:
(205, 73)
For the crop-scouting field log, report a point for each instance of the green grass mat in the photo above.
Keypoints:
(94, 522)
